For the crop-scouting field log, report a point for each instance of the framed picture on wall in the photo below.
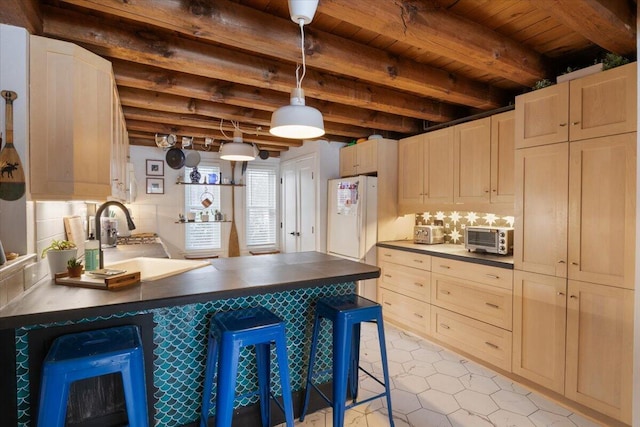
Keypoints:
(155, 185)
(155, 167)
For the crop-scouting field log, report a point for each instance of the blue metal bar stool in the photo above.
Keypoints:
(230, 331)
(346, 312)
(91, 354)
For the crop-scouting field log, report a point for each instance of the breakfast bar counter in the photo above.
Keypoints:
(173, 314)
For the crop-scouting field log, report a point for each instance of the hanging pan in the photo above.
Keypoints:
(175, 158)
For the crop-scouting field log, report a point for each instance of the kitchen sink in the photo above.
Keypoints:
(156, 268)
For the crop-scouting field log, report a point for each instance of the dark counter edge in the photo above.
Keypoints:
(132, 306)
(426, 251)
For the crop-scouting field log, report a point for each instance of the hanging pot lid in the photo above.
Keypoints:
(264, 154)
(193, 159)
(175, 158)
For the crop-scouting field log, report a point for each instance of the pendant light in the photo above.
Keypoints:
(238, 150)
(297, 120)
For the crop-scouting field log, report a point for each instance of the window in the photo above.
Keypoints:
(261, 212)
(201, 236)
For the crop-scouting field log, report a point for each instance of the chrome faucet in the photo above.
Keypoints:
(102, 207)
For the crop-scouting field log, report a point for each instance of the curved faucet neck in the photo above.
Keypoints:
(98, 230)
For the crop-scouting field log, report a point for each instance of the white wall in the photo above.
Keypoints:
(14, 73)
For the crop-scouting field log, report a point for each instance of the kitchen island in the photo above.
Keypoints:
(173, 314)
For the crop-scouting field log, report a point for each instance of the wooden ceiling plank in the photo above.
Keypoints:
(139, 76)
(610, 24)
(22, 13)
(280, 38)
(425, 23)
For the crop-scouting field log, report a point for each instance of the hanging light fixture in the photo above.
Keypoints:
(297, 120)
(238, 150)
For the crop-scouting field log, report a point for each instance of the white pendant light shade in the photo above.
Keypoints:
(297, 120)
(237, 150)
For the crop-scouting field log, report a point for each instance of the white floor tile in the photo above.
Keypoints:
(475, 402)
(514, 402)
(445, 383)
(479, 383)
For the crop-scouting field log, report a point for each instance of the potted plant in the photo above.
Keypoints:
(58, 253)
(74, 267)
(204, 216)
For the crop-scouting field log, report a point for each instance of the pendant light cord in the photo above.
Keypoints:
(304, 65)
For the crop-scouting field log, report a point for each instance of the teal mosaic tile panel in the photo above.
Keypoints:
(179, 356)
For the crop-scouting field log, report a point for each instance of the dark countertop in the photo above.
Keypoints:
(450, 251)
(225, 278)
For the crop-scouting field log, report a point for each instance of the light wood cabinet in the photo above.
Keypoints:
(472, 164)
(600, 348)
(119, 151)
(425, 170)
(72, 123)
(540, 235)
(359, 159)
(602, 188)
(539, 327)
(503, 158)
(596, 105)
(409, 313)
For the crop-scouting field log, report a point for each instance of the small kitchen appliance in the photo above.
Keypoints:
(493, 240)
(428, 234)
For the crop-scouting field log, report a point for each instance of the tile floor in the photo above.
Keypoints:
(435, 387)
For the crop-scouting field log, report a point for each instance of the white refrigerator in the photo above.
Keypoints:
(352, 223)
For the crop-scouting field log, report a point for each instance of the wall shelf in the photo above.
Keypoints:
(212, 185)
(199, 222)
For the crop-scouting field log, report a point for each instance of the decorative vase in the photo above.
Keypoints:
(195, 176)
(58, 259)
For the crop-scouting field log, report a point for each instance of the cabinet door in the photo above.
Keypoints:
(540, 237)
(367, 157)
(410, 173)
(542, 116)
(602, 188)
(348, 161)
(438, 164)
(472, 161)
(503, 136)
(539, 327)
(603, 103)
(600, 348)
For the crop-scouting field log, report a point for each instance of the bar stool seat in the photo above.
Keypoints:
(90, 354)
(347, 312)
(230, 331)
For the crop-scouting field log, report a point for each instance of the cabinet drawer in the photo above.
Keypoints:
(408, 281)
(490, 304)
(486, 342)
(406, 311)
(410, 259)
(494, 276)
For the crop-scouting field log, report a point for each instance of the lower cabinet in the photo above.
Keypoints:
(405, 311)
(575, 339)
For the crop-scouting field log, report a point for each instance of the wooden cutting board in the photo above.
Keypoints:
(75, 232)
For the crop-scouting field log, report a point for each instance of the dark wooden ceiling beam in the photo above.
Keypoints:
(253, 118)
(139, 76)
(221, 21)
(611, 24)
(206, 124)
(22, 13)
(147, 139)
(426, 25)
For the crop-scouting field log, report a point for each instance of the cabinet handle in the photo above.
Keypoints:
(445, 266)
(573, 297)
(561, 261)
(442, 325)
(387, 303)
(418, 284)
(419, 261)
(486, 191)
(492, 345)
(445, 292)
(561, 294)
(494, 190)
(387, 275)
(492, 276)
(574, 263)
(418, 315)
(563, 124)
(492, 305)
(387, 254)
(575, 123)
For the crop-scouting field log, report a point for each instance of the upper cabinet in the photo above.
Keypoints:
(72, 124)
(359, 159)
(472, 154)
(597, 105)
(502, 157)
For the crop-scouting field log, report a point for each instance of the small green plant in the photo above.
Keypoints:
(612, 60)
(58, 245)
(74, 263)
(542, 83)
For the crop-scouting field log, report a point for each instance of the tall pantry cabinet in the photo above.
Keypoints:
(575, 220)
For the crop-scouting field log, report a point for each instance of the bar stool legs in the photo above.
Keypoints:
(347, 312)
(229, 332)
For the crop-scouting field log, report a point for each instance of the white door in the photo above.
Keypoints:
(298, 205)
